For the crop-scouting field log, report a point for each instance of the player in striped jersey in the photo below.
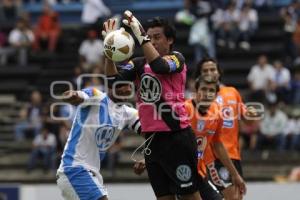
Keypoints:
(99, 119)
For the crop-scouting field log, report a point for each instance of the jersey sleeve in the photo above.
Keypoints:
(241, 106)
(132, 120)
(91, 95)
(168, 64)
(126, 71)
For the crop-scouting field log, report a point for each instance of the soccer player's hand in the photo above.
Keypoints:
(136, 27)
(139, 167)
(109, 26)
(72, 97)
(239, 183)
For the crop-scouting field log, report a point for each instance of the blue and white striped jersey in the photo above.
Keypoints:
(96, 126)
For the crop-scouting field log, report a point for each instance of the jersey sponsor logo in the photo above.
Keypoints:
(232, 102)
(183, 172)
(150, 89)
(228, 123)
(201, 145)
(227, 114)
(200, 125)
(104, 137)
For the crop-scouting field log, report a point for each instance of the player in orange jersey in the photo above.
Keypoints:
(232, 110)
(207, 124)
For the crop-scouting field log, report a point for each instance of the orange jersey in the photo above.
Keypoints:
(207, 129)
(232, 109)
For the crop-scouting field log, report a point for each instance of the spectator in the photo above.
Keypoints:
(225, 23)
(272, 128)
(77, 71)
(260, 79)
(21, 38)
(295, 88)
(91, 52)
(296, 40)
(201, 34)
(10, 10)
(44, 145)
(94, 12)
(289, 17)
(5, 51)
(30, 117)
(48, 30)
(247, 24)
(281, 81)
(249, 132)
(291, 134)
(295, 143)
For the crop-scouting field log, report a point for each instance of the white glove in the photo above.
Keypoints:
(109, 26)
(136, 27)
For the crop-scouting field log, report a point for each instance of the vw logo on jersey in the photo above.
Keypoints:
(150, 89)
(200, 125)
(104, 137)
(183, 172)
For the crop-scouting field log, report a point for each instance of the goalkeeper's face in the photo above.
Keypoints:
(161, 43)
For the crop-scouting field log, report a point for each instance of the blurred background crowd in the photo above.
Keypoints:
(257, 44)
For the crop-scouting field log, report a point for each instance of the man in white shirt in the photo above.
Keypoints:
(272, 128)
(91, 52)
(93, 10)
(21, 38)
(281, 81)
(260, 78)
(99, 119)
(43, 145)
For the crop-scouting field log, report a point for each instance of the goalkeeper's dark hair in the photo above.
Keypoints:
(205, 60)
(169, 29)
(201, 79)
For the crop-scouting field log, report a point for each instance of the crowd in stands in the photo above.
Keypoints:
(212, 24)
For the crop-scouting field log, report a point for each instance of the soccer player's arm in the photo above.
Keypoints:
(87, 95)
(134, 124)
(222, 154)
(127, 72)
(133, 121)
(173, 63)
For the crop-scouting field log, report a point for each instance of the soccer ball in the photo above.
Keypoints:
(118, 45)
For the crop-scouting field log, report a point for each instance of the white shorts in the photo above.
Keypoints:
(78, 183)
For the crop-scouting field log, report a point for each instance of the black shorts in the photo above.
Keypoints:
(172, 164)
(220, 176)
(209, 192)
